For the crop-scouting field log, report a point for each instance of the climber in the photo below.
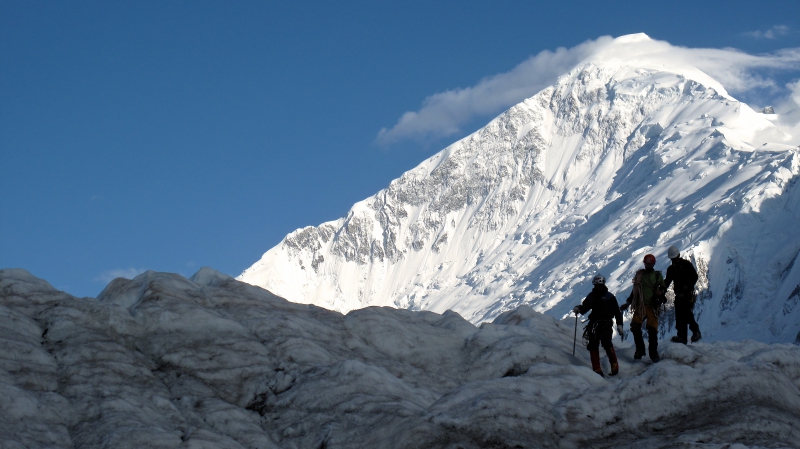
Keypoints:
(684, 275)
(605, 308)
(647, 296)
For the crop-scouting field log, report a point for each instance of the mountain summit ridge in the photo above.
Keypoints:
(611, 162)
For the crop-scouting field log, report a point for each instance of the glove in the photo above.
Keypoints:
(619, 329)
(624, 307)
(576, 310)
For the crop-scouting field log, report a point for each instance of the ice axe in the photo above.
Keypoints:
(575, 335)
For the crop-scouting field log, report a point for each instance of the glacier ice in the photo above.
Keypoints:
(163, 361)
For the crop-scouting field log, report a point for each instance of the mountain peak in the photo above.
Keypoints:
(632, 151)
(631, 38)
(640, 52)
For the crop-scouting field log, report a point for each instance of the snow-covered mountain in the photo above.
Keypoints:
(161, 361)
(625, 155)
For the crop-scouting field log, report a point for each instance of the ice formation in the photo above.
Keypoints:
(161, 361)
(625, 155)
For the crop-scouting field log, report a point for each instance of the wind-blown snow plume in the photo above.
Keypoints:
(443, 114)
(627, 153)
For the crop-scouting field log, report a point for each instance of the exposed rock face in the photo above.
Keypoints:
(610, 163)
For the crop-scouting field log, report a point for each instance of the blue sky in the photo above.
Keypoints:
(173, 135)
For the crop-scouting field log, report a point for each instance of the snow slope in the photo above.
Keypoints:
(626, 154)
(161, 361)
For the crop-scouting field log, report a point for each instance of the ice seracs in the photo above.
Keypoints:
(166, 362)
(630, 152)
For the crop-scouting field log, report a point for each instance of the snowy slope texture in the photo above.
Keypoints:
(161, 361)
(623, 156)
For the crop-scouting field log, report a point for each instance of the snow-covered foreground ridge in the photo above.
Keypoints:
(161, 361)
(621, 157)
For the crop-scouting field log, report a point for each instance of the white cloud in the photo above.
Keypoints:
(735, 70)
(772, 33)
(127, 273)
(443, 114)
(788, 110)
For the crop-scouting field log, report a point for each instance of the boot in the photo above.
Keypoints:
(652, 337)
(612, 359)
(638, 340)
(595, 356)
(677, 339)
(694, 328)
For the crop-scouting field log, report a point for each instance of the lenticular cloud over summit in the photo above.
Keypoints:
(443, 114)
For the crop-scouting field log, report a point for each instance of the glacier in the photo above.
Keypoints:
(626, 154)
(161, 361)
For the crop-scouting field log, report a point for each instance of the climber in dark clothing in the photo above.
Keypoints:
(683, 274)
(605, 308)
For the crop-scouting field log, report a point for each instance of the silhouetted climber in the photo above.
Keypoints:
(645, 299)
(684, 275)
(605, 308)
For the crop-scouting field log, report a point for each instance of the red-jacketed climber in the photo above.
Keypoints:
(605, 309)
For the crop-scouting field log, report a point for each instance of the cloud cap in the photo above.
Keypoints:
(725, 70)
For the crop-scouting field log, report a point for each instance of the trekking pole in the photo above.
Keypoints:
(575, 335)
